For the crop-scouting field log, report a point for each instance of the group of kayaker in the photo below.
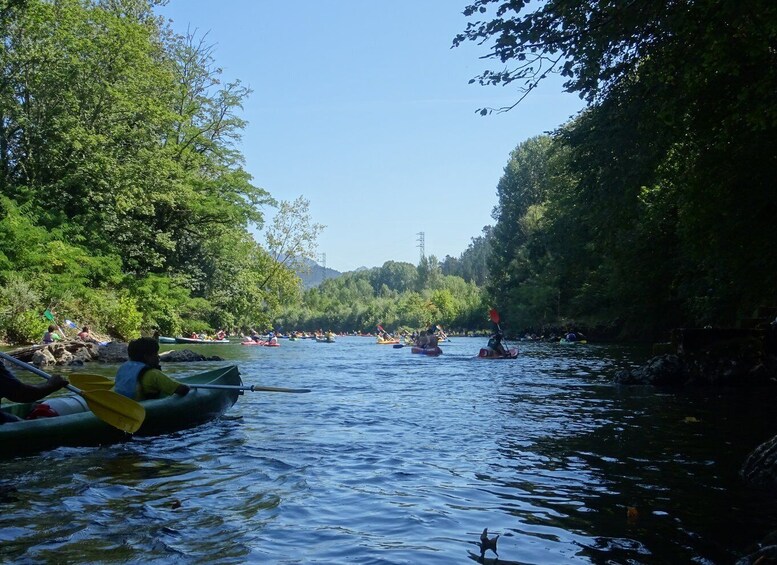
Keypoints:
(428, 339)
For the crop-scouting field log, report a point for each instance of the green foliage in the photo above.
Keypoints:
(655, 207)
(25, 327)
(123, 193)
(125, 318)
(387, 295)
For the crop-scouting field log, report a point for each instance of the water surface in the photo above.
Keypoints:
(400, 458)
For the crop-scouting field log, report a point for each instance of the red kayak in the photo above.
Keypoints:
(264, 343)
(433, 352)
(486, 354)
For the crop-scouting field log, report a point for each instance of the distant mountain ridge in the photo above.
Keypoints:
(314, 274)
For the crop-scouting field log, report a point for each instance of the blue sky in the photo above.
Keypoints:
(362, 107)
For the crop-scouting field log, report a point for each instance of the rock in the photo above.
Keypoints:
(43, 357)
(185, 355)
(760, 467)
(113, 352)
(716, 367)
(662, 370)
(83, 355)
(64, 357)
(761, 553)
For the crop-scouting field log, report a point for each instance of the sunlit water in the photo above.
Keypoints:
(400, 458)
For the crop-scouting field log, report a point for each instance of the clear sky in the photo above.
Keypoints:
(362, 107)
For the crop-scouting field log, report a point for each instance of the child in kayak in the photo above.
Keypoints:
(141, 378)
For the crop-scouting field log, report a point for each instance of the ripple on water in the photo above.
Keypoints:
(399, 458)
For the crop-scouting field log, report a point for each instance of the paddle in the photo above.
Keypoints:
(494, 315)
(111, 407)
(98, 382)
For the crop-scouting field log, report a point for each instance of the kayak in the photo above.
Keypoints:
(565, 341)
(163, 339)
(381, 341)
(486, 354)
(264, 343)
(197, 340)
(433, 352)
(325, 339)
(78, 426)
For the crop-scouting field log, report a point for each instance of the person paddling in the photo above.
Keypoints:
(495, 345)
(141, 378)
(16, 391)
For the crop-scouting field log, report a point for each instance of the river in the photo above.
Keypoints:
(400, 458)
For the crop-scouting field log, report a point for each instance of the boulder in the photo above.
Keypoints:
(760, 467)
(113, 352)
(43, 358)
(662, 370)
(185, 355)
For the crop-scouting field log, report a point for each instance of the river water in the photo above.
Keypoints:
(400, 458)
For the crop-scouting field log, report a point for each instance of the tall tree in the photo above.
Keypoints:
(683, 106)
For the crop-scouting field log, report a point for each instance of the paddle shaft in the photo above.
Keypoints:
(88, 380)
(34, 369)
(252, 388)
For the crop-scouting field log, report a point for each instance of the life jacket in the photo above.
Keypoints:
(127, 378)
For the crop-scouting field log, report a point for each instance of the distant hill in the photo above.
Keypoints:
(315, 274)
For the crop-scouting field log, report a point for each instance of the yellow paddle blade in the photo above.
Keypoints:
(87, 381)
(114, 409)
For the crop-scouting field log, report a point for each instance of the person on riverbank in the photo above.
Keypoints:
(86, 335)
(141, 378)
(16, 391)
(51, 335)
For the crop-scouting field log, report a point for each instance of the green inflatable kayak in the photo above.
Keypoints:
(77, 426)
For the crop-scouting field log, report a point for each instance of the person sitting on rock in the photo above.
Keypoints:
(51, 335)
(86, 335)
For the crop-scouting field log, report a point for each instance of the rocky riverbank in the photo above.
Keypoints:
(74, 353)
(720, 357)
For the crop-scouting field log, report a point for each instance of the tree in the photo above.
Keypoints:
(292, 237)
(675, 144)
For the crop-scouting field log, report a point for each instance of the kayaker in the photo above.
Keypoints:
(432, 338)
(571, 336)
(16, 391)
(495, 345)
(141, 378)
